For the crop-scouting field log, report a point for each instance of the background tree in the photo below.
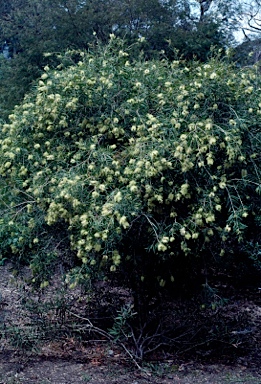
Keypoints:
(248, 52)
(35, 27)
(250, 18)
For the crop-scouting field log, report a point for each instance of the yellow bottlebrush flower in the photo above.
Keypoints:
(116, 258)
(187, 235)
(23, 171)
(161, 247)
(171, 196)
(183, 137)
(184, 189)
(165, 239)
(222, 185)
(44, 284)
(104, 235)
(197, 84)
(133, 188)
(227, 228)
(212, 140)
(210, 218)
(118, 197)
(106, 210)
(209, 125)
(213, 75)
(203, 149)
(154, 154)
(249, 90)
(159, 198)
(210, 160)
(162, 283)
(183, 231)
(31, 223)
(123, 222)
(97, 247)
(80, 242)
(95, 194)
(88, 247)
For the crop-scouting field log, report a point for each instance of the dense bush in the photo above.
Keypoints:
(148, 168)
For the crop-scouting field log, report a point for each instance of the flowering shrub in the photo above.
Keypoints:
(140, 162)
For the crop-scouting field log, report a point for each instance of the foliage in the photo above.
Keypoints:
(16, 78)
(120, 327)
(148, 168)
(34, 27)
(247, 53)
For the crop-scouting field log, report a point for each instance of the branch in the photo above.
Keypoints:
(153, 226)
(93, 328)
(244, 33)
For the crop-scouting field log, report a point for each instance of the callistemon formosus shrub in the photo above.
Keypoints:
(138, 161)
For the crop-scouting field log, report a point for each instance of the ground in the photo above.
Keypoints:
(67, 360)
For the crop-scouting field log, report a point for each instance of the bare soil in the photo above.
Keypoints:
(68, 360)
